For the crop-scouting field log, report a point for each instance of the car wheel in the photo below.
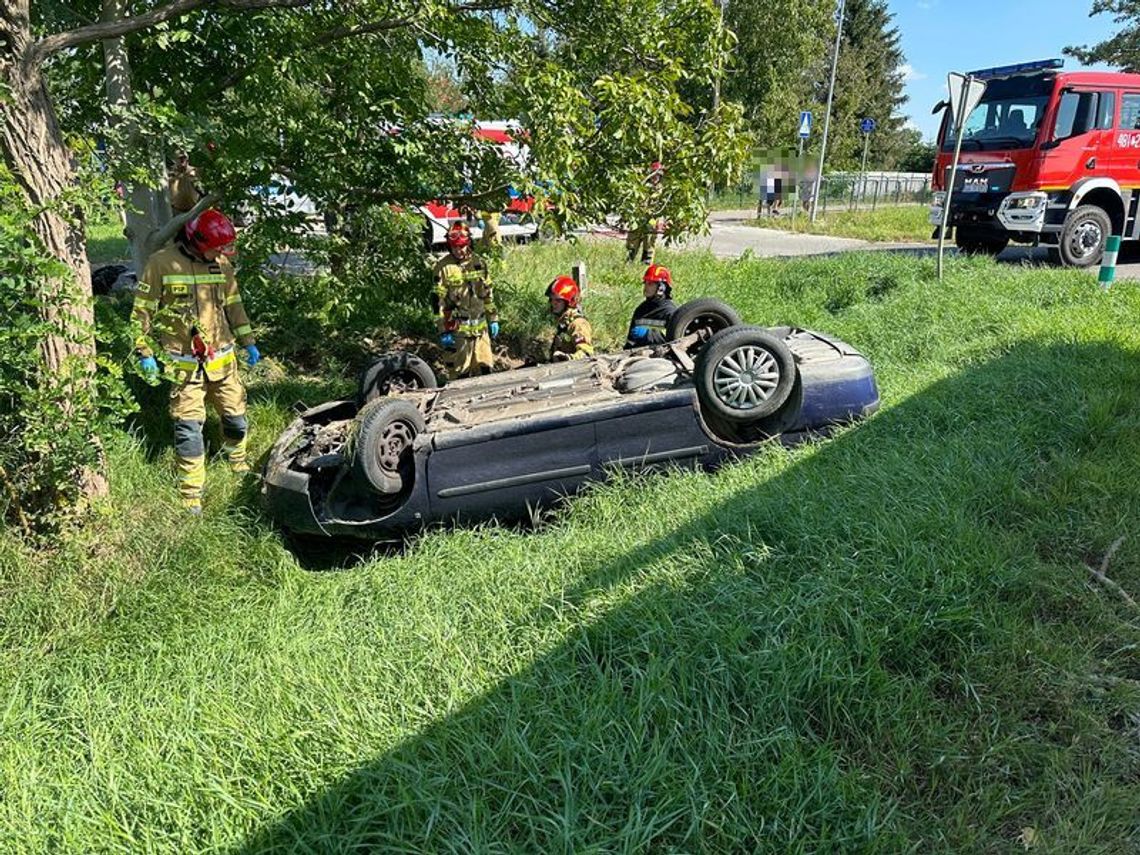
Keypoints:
(744, 374)
(979, 243)
(1084, 236)
(704, 316)
(393, 373)
(386, 430)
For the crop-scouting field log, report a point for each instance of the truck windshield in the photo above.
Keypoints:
(1008, 116)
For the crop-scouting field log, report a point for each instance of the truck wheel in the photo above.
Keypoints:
(393, 373)
(744, 374)
(385, 431)
(979, 243)
(706, 315)
(1083, 238)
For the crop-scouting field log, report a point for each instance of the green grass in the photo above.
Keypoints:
(891, 223)
(885, 642)
(105, 243)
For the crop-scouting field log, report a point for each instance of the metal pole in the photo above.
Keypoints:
(959, 122)
(830, 99)
(863, 168)
(716, 80)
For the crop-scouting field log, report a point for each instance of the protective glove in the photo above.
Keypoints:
(254, 354)
(494, 329)
(639, 333)
(447, 339)
(148, 366)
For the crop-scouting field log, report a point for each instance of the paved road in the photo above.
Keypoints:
(730, 238)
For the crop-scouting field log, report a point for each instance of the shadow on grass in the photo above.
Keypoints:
(858, 654)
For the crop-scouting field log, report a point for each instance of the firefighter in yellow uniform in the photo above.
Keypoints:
(465, 306)
(573, 338)
(188, 299)
(642, 237)
(184, 185)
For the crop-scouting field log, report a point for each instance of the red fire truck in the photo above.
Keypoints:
(1048, 157)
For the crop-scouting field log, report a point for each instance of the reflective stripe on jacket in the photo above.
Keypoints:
(178, 293)
(464, 298)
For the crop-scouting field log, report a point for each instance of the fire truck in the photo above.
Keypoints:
(1048, 157)
(518, 220)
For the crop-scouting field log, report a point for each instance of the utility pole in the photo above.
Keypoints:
(721, 4)
(827, 115)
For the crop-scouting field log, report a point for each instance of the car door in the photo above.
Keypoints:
(1080, 142)
(505, 468)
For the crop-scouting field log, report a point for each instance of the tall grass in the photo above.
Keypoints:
(889, 641)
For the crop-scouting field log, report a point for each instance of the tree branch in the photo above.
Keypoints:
(48, 45)
(160, 237)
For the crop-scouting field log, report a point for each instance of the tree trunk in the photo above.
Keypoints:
(35, 154)
(148, 208)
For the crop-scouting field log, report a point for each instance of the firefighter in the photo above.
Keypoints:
(188, 297)
(643, 235)
(573, 338)
(184, 185)
(465, 306)
(652, 317)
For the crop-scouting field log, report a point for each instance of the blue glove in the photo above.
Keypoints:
(639, 333)
(494, 329)
(447, 339)
(254, 354)
(149, 366)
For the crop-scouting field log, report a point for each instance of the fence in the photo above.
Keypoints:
(849, 191)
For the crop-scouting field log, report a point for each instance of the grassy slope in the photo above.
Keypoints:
(883, 642)
(888, 223)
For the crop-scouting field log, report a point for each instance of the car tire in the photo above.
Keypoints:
(382, 454)
(744, 374)
(393, 373)
(972, 242)
(1084, 236)
(706, 315)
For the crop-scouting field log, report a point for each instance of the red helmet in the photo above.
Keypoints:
(566, 290)
(458, 236)
(657, 273)
(211, 229)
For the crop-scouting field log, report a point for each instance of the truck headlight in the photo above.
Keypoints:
(1026, 203)
(938, 199)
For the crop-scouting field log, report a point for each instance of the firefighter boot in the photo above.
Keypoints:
(191, 480)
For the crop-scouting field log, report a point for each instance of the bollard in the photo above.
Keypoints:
(1108, 262)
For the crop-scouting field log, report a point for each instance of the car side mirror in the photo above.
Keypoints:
(1045, 146)
(939, 107)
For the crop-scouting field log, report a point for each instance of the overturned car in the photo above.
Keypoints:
(406, 453)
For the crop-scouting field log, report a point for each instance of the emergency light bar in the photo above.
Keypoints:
(1020, 68)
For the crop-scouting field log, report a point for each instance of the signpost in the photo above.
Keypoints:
(830, 99)
(805, 129)
(965, 93)
(867, 126)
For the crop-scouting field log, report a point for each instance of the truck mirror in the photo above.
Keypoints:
(939, 107)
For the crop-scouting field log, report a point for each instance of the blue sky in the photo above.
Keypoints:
(939, 36)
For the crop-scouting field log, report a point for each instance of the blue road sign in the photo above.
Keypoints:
(805, 124)
(867, 125)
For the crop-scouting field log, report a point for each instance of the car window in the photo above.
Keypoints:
(1130, 112)
(1081, 112)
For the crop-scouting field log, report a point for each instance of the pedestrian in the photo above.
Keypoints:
(651, 317)
(573, 338)
(188, 297)
(465, 306)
